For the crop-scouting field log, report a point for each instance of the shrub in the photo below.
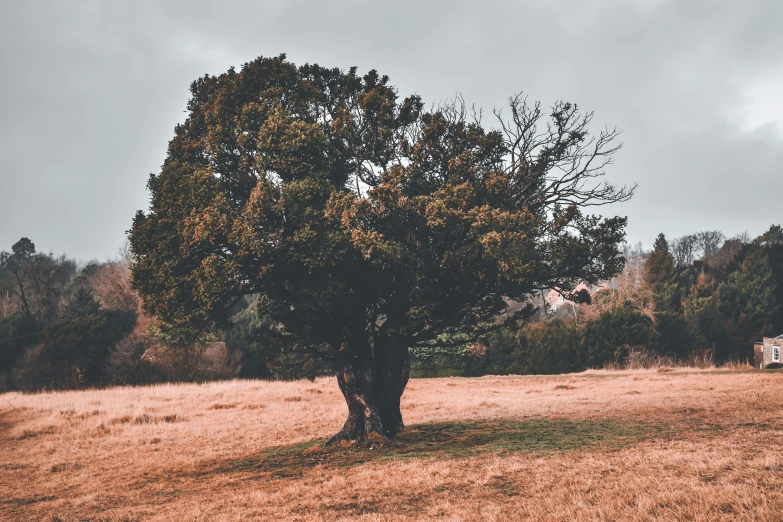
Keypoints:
(17, 332)
(549, 347)
(127, 363)
(609, 337)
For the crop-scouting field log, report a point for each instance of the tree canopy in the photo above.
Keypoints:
(367, 224)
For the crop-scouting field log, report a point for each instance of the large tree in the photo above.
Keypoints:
(367, 224)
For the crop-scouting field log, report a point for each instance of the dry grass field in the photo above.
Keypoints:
(638, 445)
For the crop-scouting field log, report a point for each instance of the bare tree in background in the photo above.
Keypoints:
(709, 241)
(685, 250)
(701, 245)
(624, 288)
(742, 237)
(111, 287)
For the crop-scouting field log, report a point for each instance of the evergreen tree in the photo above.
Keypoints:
(17, 332)
(748, 303)
(701, 308)
(608, 337)
(549, 347)
(660, 277)
(674, 338)
(757, 286)
(772, 240)
(77, 344)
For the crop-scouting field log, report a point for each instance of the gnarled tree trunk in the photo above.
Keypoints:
(372, 380)
(391, 370)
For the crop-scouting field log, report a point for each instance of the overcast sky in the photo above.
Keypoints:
(91, 92)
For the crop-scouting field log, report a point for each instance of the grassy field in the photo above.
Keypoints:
(641, 445)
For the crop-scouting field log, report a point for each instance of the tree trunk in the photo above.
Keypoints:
(372, 381)
(391, 370)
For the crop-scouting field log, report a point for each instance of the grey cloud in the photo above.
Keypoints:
(91, 92)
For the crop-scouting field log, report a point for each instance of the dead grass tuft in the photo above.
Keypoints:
(738, 365)
(224, 406)
(144, 419)
(149, 419)
(66, 466)
(293, 399)
(29, 434)
(564, 387)
(12, 467)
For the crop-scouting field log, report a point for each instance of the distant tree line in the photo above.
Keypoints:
(53, 329)
(66, 326)
(700, 298)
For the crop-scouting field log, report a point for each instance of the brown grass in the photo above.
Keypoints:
(601, 445)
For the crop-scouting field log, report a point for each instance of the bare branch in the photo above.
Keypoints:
(555, 160)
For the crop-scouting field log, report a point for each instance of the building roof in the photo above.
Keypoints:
(779, 336)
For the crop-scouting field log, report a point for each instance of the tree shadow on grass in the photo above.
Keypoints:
(449, 441)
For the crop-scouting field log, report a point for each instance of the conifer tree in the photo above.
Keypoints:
(772, 240)
(674, 337)
(756, 287)
(660, 277)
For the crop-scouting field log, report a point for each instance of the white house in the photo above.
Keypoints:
(768, 351)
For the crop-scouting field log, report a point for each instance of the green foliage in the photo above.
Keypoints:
(772, 241)
(252, 335)
(266, 352)
(361, 219)
(757, 286)
(676, 337)
(609, 337)
(748, 302)
(704, 316)
(547, 347)
(550, 347)
(660, 276)
(77, 343)
(773, 236)
(444, 362)
(500, 355)
(17, 332)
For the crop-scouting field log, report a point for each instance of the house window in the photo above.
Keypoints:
(776, 354)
